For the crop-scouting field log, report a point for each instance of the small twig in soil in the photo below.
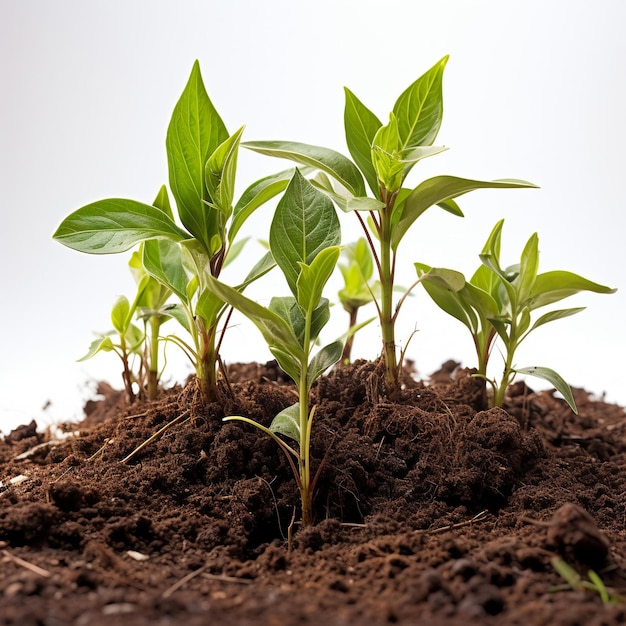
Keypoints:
(183, 581)
(380, 445)
(269, 486)
(290, 531)
(26, 565)
(101, 450)
(480, 517)
(41, 446)
(156, 435)
(132, 417)
(227, 579)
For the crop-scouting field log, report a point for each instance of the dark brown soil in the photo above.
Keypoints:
(429, 510)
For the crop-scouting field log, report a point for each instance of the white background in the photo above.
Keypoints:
(533, 89)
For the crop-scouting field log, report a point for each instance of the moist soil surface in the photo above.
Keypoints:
(430, 509)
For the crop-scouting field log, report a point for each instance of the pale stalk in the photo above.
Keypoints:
(387, 326)
(305, 441)
(153, 368)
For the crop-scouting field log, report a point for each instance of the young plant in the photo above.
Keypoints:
(202, 161)
(358, 288)
(304, 238)
(383, 157)
(593, 584)
(498, 302)
(130, 342)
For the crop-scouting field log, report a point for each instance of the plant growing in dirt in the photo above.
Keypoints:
(126, 340)
(358, 288)
(384, 155)
(594, 584)
(202, 162)
(498, 302)
(304, 240)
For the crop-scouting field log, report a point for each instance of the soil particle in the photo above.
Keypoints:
(575, 534)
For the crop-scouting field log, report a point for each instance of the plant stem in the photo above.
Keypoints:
(153, 366)
(508, 374)
(346, 354)
(305, 442)
(206, 368)
(386, 280)
(127, 376)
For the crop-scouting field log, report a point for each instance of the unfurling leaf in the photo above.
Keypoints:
(287, 422)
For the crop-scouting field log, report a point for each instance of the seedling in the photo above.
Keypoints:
(498, 302)
(593, 584)
(358, 288)
(383, 157)
(304, 238)
(130, 342)
(202, 161)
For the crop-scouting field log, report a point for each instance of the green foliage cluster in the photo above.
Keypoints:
(179, 253)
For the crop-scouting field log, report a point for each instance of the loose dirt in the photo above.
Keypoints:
(430, 509)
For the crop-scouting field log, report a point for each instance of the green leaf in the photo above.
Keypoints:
(163, 260)
(386, 156)
(134, 337)
(333, 163)
(320, 317)
(235, 250)
(209, 307)
(287, 422)
(343, 198)
(121, 315)
(312, 279)
(361, 126)
(327, 356)
(162, 201)
(451, 207)
(288, 309)
(419, 109)
(448, 279)
(304, 223)
(357, 274)
(556, 315)
(447, 300)
(255, 196)
(528, 268)
(178, 312)
(567, 572)
(439, 189)
(194, 132)
(262, 267)
(553, 286)
(100, 344)
(115, 225)
(287, 449)
(554, 379)
(360, 255)
(486, 279)
(220, 172)
(288, 362)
